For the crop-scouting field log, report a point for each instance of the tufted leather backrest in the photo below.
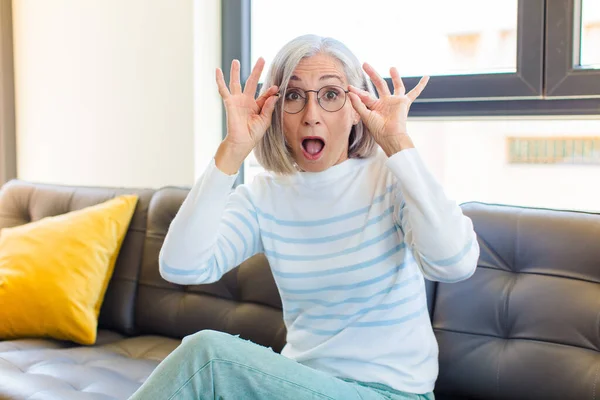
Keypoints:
(527, 324)
(22, 202)
(245, 301)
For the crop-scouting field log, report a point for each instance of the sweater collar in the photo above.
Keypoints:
(330, 174)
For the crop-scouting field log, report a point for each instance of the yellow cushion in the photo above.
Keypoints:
(54, 272)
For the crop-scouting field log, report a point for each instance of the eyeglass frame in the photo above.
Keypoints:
(318, 99)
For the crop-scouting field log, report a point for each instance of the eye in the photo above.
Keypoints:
(293, 95)
(331, 94)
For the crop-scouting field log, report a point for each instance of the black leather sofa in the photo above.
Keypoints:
(525, 326)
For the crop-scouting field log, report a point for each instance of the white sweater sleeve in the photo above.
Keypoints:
(441, 238)
(214, 231)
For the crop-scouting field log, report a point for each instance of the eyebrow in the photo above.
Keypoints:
(324, 77)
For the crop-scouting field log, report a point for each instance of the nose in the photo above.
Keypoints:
(312, 110)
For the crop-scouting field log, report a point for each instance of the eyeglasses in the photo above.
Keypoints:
(331, 98)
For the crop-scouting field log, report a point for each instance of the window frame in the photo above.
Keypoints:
(235, 45)
(564, 79)
(556, 47)
(526, 82)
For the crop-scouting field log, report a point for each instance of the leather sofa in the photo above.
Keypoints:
(525, 326)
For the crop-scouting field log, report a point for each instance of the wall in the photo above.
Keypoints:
(208, 106)
(105, 91)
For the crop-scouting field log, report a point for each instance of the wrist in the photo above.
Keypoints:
(394, 144)
(229, 157)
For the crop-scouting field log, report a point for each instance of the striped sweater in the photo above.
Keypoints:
(348, 248)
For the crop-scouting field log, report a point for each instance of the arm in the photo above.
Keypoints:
(441, 238)
(213, 231)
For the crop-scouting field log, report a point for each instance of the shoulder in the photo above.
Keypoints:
(261, 186)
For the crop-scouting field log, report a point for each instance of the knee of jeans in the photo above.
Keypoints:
(206, 339)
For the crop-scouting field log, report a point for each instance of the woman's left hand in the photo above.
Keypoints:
(386, 116)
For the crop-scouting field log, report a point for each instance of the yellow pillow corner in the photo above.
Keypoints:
(54, 272)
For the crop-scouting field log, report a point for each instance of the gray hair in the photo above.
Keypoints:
(272, 151)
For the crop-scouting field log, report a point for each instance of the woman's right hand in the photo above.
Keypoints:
(247, 118)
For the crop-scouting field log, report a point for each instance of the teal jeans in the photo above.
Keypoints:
(216, 365)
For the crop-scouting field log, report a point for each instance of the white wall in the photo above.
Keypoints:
(208, 105)
(105, 91)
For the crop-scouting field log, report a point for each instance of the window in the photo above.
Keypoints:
(471, 47)
(474, 160)
(460, 44)
(589, 56)
(492, 58)
(486, 58)
(572, 44)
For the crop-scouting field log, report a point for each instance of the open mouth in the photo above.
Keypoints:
(312, 147)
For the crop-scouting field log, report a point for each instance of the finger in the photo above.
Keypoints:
(267, 111)
(263, 97)
(413, 94)
(234, 78)
(367, 98)
(223, 91)
(359, 106)
(377, 80)
(252, 81)
(399, 88)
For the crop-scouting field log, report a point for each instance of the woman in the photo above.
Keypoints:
(349, 233)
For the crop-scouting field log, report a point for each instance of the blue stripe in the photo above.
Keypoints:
(237, 231)
(387, 306)
(251, 212)
(248, 225)
(176, 271)
(370, 324)
(317, 257)
(325, 221)
(361, 265)
(389, 322)
(326, 303)
(232, 247)
(225, 261)
(454, 259)
(350, 286)
(331, 238)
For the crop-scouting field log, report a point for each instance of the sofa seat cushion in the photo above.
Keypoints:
(104, 336)
(57, 370)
